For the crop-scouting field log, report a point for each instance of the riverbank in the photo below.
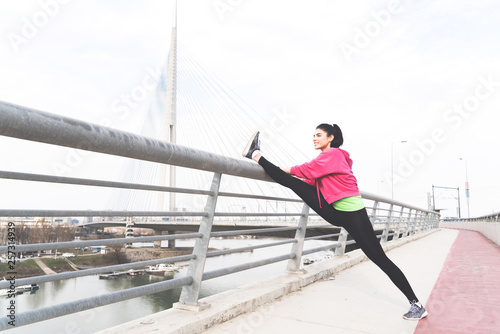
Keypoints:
(30, 267)
(48, 264)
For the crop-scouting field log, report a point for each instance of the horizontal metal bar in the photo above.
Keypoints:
(124, 185)
(318, 249)
(96, 183)
(255, 214)
(377, 198)
(98, 242)
(94, 271)
(323, 236)
(55, 311)
(251, 231)
(242, 249)
(281, 199)
(245, 266)
(30, 124)
(310, 227)
(96, 213)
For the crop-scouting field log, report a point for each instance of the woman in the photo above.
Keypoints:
(329, 187)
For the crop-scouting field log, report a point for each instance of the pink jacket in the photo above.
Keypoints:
(331, 173)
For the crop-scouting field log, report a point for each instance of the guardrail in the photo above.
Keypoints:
(396, 219)
(487, 225)
(493, 218)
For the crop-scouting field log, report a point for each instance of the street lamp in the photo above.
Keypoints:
(467, 194)
(392, 165)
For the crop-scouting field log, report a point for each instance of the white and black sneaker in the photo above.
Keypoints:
(252, 146)
(416, 312)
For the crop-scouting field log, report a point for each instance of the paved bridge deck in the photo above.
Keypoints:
(454, 273)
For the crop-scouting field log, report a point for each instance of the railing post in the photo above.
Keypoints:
(398, 226)
(339, 251)
(407, 225)
(190, 293)
(412, 227)
(129, 232)
(385, 233)
(373, 218)
(293, 265)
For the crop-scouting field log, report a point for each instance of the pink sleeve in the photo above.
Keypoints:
(325, 163)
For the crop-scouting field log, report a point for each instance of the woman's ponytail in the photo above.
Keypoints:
(338, 139)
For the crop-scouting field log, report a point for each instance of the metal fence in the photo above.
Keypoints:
(492, 218)
(391, 219)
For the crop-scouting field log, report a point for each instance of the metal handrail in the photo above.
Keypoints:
(124, 185)
(493, 217)
(34, 125)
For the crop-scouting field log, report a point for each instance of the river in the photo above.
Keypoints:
(90, 321)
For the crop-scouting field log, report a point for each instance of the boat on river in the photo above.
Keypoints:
(161, 269)
(28, 287)
(19, 290)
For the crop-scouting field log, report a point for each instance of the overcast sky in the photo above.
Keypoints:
(424, 72)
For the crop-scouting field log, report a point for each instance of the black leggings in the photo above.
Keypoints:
(357, 223)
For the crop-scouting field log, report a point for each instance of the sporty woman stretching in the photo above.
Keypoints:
(329, 187)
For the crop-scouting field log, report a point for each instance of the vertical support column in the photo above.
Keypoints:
(190, 293)
(416, 227)
(170, 119)
(385, 233)
(407, 225)
(398, 226)
(157, 243)
(412, 226)
(293, 265)
(171, 242)
(426, 221)
(339, 251)
(129, 232)
(374, 212)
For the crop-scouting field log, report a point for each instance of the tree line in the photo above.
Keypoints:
(42, 232)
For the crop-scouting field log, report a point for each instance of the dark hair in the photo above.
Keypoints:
(334, 130)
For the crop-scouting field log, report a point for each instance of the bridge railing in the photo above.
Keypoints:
(492, 218)
(488, 225)
(391, 219)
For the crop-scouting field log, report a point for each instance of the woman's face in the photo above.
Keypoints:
(321, 140)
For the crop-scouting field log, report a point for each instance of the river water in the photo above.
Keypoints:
(90, 321)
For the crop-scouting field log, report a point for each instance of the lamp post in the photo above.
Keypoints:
(467, 194)
(392, 165)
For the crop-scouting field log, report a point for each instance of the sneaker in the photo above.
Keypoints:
(416, 312)
(252, 146)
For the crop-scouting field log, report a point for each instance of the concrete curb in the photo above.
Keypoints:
(232, 303)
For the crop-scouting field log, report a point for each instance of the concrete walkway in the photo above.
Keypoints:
(43, 266)
(360, 299)
(454, 273)
(342, 295)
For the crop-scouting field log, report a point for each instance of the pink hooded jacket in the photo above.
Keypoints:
(331, 173)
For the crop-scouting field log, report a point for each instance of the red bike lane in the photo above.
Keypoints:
(466, 296)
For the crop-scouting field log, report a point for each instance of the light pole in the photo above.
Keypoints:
(392, 165)
(467, 194)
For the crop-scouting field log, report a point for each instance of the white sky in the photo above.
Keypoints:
(385, 71)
